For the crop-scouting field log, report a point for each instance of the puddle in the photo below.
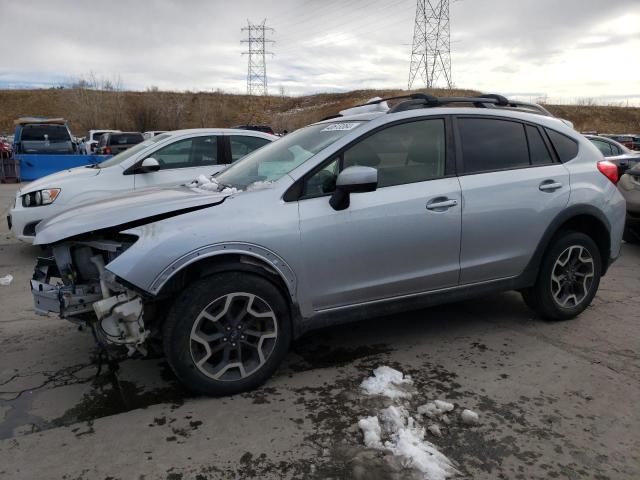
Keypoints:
(139, 383)
(112, 396)
(108, 394)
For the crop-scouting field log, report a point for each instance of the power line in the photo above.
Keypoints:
(431, 50)
(257, 64)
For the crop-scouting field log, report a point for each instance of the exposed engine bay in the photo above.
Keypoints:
(72, 281)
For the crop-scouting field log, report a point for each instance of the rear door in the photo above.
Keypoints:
(401, 239)
(184, 160)
(513, 186)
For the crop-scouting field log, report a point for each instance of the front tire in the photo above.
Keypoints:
(568, 279)
(227, 333)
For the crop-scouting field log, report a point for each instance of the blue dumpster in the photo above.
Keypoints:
(34, 166)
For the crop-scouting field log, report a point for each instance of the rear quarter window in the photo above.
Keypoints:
(566, 148)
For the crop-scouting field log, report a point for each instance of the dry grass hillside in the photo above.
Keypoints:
(157, 110)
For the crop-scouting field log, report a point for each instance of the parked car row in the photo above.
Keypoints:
(163, 160)
(615, 152)
(376, 210)
(631, 141)
(88, 145)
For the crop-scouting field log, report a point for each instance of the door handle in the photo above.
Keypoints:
(549, 186)
(441, 204)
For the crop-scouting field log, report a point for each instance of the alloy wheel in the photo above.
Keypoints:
(233, 336)
(572, 276)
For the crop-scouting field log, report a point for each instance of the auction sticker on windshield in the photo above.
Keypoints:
(340, 126)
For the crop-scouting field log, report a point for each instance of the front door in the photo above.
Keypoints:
(403, 238)
(182, 161)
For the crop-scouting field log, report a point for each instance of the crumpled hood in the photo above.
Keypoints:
(60, 179)
(123, 210)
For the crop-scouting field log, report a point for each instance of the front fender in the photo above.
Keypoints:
(251, 226)
(228, 248)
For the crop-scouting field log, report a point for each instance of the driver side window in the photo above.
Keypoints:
(405, 153)
(190, 152)
(323, 181)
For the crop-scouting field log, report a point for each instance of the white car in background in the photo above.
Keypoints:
(164, 160)
(91, 140)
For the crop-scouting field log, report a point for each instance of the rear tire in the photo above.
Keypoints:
(227, 333)
(568, 278)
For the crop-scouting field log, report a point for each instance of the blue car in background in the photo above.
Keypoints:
(43, 136)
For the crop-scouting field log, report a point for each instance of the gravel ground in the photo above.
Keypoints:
(555, 400)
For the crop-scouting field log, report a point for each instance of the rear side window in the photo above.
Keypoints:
(537, 149)
(565, 147)
(489, 144)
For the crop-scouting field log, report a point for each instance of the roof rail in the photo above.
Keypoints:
(424, 100)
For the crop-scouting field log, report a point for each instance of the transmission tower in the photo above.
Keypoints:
(257, 69)
(431, 50)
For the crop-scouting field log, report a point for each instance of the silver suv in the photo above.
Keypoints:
(371, 212)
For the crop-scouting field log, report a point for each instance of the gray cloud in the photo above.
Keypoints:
(329, 45)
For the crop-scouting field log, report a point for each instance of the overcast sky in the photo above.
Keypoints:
(564, 49)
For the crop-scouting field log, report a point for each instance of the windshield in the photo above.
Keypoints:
(273, 161)
(121, 157)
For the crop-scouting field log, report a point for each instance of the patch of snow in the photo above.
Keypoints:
(405, 438)
(469, 417)
(435, 409)
(434, 430)
(209, 184)
(394, 417)
(6, 280)
(409, 443)
(386, 381)
(372, 432)
(259, 185)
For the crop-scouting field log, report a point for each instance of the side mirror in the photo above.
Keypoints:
(353, 180)
(148, 165)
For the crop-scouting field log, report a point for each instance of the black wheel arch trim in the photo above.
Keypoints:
(530, 272)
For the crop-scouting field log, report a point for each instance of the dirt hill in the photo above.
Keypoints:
(157, 110)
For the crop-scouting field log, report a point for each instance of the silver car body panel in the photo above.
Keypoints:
(120, 210)
(505, 215)
(373, 251)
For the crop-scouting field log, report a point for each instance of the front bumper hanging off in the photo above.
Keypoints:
(116, 317)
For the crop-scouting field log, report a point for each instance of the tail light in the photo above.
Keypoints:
(107, 151)
(609, 170)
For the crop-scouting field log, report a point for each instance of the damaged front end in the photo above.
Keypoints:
(74, 283)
